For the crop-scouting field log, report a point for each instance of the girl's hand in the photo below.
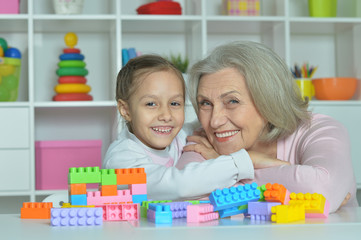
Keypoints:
(261, 160)
(202, 146)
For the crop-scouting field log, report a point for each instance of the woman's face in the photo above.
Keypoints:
(227, 112)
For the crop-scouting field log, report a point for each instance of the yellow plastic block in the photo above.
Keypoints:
(288, 213)
(68, 205)
(314, 203)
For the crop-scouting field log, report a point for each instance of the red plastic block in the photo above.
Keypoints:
(136, 189)
(77, 188)
(288, 213)
(128, 176)
(276, 193)
(108, 190)
(36, 210)
(95, 198)
(316, 204)
(121, 212)
(203, 212)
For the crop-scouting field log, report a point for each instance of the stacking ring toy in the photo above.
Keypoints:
(71, 79)
(71, 63)
(72, 97)
(71, 50)
(71, 56)
(72, 88)
(71, 71)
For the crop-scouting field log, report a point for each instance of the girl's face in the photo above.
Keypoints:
(156, 109)
(227, 112)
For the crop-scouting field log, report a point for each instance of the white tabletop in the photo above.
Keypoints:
(344, 224)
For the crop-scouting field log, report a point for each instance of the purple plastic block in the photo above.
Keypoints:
(63, 217)
(261, 210)
(179, 209)
(234, 196)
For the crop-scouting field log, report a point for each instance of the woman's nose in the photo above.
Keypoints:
(218, 117)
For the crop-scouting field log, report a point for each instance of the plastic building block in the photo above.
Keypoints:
(76, 217)
(78, 199)
(261, 210)
(121, 212)
(234, 196)
(287, 213)
(108, 177)
(136, 189)
(276, 193)
(139, 198)
(77, 188)
(231, 211)
(128, 176)
(84, 175)
(203, 212)
(68, 205)
(95, 198)
(36, 210)
(159, 213)
(262, 189)
(179, 209)
(320, 215)
(145, 204)
(108, 190)
(315, 203)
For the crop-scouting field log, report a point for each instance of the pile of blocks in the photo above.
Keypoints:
(269, 202)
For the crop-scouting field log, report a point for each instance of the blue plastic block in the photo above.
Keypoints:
(78, 199)
(231, 211)
(139, 198)
(234, 196)
(62, 217)
(159, 213)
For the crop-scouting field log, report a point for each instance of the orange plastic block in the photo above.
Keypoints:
(288, 213)
(128, 176)
(36, 210)
(276, 193)
(77, 188)
(108, 190)
(314, 203)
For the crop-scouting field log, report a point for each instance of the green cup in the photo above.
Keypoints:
(322, 8)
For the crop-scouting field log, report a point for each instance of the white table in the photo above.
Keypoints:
(345, 224)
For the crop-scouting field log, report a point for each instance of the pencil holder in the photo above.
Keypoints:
(306, 87)
(322, 8)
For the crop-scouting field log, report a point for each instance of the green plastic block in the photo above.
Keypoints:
(108, 177)
(262, 190)
(84, 175)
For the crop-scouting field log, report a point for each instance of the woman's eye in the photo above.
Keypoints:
(204, 104)
(233, 101)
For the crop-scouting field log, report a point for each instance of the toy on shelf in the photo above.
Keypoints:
(129, 53)
(36, 210)
(241, 7)
(10, 63)
(160, 7)
(72, 82)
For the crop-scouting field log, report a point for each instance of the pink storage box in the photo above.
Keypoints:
(54, 158)
(9, 6)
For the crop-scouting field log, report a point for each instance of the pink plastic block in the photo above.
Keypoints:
(137, 189)
(95, 198)
(121, 212)
(54, 158)
(9, 6)
(320, 215)
(201, 213)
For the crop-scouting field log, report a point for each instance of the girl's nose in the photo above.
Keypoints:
(165, 114)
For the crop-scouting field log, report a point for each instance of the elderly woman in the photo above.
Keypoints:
(245, 98)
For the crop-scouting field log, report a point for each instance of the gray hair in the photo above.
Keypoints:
(269, 81)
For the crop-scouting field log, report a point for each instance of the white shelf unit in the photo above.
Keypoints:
(105, 27)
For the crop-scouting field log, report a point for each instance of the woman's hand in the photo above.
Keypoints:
(202, 146)
(261, 160)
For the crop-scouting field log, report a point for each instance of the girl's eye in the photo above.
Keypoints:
(150, 104)
(175, 104)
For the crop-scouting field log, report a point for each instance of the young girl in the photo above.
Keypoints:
(151, 95)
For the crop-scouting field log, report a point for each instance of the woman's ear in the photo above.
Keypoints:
(123, 109)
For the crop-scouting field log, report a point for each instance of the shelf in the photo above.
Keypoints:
(74, 104)
(351, 103)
